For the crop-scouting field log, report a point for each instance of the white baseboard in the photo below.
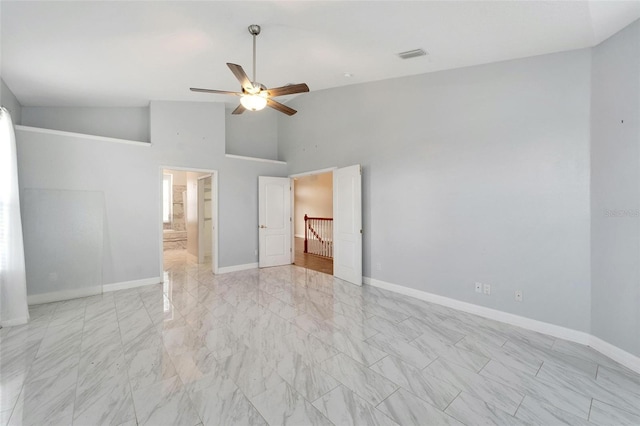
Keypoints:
(124, 285)
(621, 356)
(236, 268)
(299, 236)
(15, 321)
(625, 358)
(56, 296)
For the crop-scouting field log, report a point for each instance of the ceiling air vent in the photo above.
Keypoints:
(412, 54)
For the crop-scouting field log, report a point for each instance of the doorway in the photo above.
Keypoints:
(313, 221)
(188, 218)
(275, 217)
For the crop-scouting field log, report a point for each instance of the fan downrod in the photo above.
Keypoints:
(254, 30)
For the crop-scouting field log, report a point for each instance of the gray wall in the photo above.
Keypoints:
(183, 134)
(191, 135)
(475, 174)
(72, 222)
(615, 189)
(10, 102)
(122, 123)
(252, 134)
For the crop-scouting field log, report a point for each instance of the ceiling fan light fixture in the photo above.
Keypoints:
(253, 102)
(255, 96)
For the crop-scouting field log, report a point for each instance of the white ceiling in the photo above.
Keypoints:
(126, 53)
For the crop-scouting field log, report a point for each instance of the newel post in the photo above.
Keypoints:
(306, 232)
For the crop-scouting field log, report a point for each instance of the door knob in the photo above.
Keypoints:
(262, 226)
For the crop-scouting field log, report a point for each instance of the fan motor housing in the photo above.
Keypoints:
(254, 29)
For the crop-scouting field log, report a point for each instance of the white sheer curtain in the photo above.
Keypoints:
(13, 283)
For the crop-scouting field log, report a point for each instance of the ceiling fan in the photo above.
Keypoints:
(255, 96)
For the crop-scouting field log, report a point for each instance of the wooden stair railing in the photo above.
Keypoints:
(318, 236)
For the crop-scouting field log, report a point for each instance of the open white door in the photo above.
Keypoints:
(274, 216)
(347, 224)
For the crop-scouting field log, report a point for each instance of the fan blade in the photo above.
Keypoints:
(241, 76)
(280, 107)
(239, 110)
(288, 90)
(220, 92)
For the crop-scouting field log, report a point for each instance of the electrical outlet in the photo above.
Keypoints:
(487, 289)
(519, 296)
(478, 287)
(53, 276)
(379, 266)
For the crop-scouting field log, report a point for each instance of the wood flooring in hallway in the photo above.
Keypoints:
(311, 261)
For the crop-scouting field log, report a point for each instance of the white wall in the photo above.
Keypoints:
(252, 134)
(475, 174)
(122, 123)
(313, 196)
(183, 134)
(615, 189)
(10, 102)
(179, 176)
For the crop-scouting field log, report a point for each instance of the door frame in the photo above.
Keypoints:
(214, 211)
(292, 180)
(201, 201)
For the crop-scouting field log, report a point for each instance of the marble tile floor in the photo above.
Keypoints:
(292, 346)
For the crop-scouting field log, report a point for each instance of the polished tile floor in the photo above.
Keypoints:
(292, 346)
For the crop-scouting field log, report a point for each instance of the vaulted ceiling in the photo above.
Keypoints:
(126, 53)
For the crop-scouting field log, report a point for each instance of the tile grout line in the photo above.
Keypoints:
(327, 392)
(387, 397)
(335, 378)
(461, 339)
(637, 414)
(29, 368)
(519, 405)
(451, 402)
(232, 380)
(590, 408)
(75, 393)
(283, 380)
(126, 362)
(427, 366)
(485, 364)
(164, 348)
(451, 415)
